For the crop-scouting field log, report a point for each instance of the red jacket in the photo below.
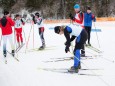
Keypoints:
(8, 28)
(79, 18)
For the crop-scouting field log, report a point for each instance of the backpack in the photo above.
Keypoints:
(3, 21)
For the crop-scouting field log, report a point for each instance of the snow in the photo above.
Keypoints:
(29, 71)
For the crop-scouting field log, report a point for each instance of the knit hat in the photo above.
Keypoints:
(57, 29)
(88, 8)
(76, 6)
(37, 14)
(6, 12)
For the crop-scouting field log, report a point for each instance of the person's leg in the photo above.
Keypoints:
(89, 33)
(84, 36)
(77, 58)
(20, 35)
(17, 36)
(41, 33)
(12, 44)
(83, 50)
(76, 65)
(86, 28)
(4, 45)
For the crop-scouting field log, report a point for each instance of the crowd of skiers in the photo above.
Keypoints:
(6, 24)
(79, 29)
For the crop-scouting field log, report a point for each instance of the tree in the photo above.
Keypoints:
(7, 4)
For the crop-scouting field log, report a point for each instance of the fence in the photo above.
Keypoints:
(68, 20)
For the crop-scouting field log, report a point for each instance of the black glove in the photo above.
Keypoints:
(22, 21)
(67, 49)
(71, 16)
(66, 43)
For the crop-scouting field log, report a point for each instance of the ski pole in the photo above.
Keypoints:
(92, 71)
(33, 36)
(0, 40)
(28, 38)
(15, 38)
(24, 34)
(97, 36)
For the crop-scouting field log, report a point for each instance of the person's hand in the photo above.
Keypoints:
(71, 16)
(67, 49)
(66, 43)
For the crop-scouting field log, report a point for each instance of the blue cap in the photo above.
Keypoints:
(76, 6)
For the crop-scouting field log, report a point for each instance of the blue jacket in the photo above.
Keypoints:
(88, 19)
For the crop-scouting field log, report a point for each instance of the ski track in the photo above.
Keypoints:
(27, 72)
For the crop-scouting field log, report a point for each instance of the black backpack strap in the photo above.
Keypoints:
(3, 21)
(81, 14)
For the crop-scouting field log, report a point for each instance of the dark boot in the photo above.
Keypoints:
(13, 53)
(79, 66)
(89, 44)
(42, 47)
(4, 53)
(73, 69)
(82, 55)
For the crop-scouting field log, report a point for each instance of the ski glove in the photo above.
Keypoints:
(71, 16)
(67, 49)
(66, 44)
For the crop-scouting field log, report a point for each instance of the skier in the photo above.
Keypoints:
(88, 17)
(39, 21)
(75, 31)
(19, 22)
(79, 20)
(6, 24)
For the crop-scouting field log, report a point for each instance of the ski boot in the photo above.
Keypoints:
(73, 69)
(13, 53)
(22, 43)
(89, 44)
(79, 66)
(42, 47)
(82, 55)
(5, 54)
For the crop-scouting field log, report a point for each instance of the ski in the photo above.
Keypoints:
(13, 56)
(19, 48)
(64, 70)
(37, 49)
(70, 58)
(94, 49)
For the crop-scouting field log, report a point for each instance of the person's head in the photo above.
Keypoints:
(17, 16)
(32, 15)
(59, 30)
(88, 10)
(76, 8)
(6, 13)
(37, 15)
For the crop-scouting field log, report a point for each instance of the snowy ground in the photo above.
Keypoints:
(46, 68)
